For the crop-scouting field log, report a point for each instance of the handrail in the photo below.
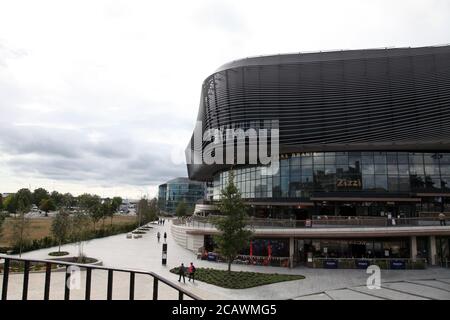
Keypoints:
(89, 267)
(359, 221)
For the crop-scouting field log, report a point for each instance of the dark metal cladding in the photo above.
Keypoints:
(360, 100)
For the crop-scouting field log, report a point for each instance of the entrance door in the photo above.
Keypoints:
(347, 211)
(358, 250)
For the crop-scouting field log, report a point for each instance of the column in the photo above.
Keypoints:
(433, 250)
(413, 247)
(291, 252)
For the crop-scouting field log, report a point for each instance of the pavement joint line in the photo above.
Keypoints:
(406, 292)
(367, 294)
(371, 294)
(426, 285)
(443, 281)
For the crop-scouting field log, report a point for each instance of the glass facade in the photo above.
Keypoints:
(177, 190)
(379, 172)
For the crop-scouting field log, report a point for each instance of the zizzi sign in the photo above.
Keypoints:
(347, 183)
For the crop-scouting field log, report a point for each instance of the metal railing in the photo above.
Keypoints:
(323, 222)
(89, 268)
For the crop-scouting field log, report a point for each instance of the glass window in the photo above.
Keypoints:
(416, 169)
(368, 182)
(402, 157)
(391, 158)
(445, 169)
(432, 169)
(342, 160)
(445, 182)
(403, 183)
(306, 160)
(318, 158)
(445, 158)
(380, 168)
(381, 182)
(307, 171)
(330, 169)
(330, 159)
(431, 157)
(417, 182)
(415, 158)
(392, 169)
(393, 184)
(367, 157)
(379, 157)
(368, 169)
(403, 169)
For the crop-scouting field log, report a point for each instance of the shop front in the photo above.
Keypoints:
(305, 250)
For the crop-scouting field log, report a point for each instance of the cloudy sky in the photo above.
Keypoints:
(102, 96)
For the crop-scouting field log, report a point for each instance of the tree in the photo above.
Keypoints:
(115, 204)
(80, 231)
(2, 219)
(107, 210)
(57, 198)
(10, 204)
(39, 195)
(234, 236)
(91, 204)
(147, 210)
(61, 227)
(1, 202)
(24, 199)
(47, 205)
(68, 201)
(181, 209)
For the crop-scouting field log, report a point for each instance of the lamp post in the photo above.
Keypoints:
(164, 254)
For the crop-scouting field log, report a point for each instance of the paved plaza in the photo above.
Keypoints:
(145, 254)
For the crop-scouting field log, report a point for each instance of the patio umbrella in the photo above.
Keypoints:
(251, 249)
(269, 250)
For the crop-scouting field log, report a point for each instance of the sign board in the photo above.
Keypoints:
(212, 256)
(330, 264)
(362, 264)
(308, 223)
(398, 264)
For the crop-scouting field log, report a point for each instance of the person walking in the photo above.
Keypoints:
(442, 219)
(181, 272)
(158, 235)
(191, 272)
(164, 221)
(165, 237)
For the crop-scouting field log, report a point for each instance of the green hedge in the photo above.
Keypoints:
(48, 242)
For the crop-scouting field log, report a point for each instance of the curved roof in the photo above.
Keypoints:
(305, 57)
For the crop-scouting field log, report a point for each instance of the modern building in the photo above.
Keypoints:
(364, 137)
(179, 189)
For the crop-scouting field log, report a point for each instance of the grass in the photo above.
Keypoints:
(58, 253)
(41, 227)
(239, 279)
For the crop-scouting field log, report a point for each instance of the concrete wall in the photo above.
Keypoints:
(189, 241)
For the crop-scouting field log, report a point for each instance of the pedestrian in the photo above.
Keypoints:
(164, 221)
(442, 219)
(191, 272)
(165, 237)
(158, 235)
(181, 272)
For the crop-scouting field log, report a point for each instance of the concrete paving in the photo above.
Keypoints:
(145, 254)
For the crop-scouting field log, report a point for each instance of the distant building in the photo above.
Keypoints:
(179, 189)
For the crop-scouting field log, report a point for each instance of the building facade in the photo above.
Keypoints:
(171, 193)
(363, 134)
